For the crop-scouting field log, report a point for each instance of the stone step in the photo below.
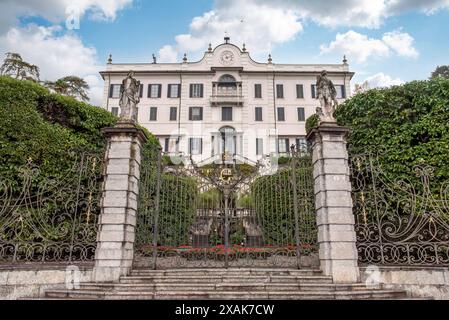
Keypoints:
(227, 273)
(225, 278)
(225, 295)
(219, 272)
(253, 287)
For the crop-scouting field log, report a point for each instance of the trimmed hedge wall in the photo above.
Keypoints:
(274, 205)
(177, 209)
(38, 126)
(408, 125)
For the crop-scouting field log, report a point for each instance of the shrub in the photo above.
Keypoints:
(38, 126)
(408, 125)
(177, 209)
(312, 122)
(274, 205)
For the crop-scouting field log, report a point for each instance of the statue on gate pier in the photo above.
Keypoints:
(129, 98)
(326, 93)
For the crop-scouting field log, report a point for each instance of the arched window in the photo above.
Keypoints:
(227, 86)
(227, 78)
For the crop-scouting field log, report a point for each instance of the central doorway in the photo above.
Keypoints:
(228, 140)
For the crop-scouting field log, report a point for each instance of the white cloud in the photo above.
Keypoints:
(381, 80)
(168, 54)
(356, 46)
(401, 43)
(259, 26)
(58, 10)
(360, 47)
(356, 13)
(57, 55)
(262, 24)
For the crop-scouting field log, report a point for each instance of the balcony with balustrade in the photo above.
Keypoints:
(225, 93)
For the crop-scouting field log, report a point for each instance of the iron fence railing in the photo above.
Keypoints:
(399, 221)
(51, 217)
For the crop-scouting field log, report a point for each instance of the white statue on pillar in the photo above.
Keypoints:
(327, 95)
(129, 98)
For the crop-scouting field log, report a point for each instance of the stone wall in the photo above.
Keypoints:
(31, 282)
(419, 282)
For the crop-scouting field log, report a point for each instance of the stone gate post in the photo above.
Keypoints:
(117, 221)
(333, 203)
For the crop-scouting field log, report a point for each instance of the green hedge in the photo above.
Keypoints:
(273, 197)
(177, 209)
(38, 126)
(312, 122)
(408, 125)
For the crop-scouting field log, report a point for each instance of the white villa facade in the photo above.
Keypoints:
(226, 102)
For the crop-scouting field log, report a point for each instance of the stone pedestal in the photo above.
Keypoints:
(117, 221)
(333, 203)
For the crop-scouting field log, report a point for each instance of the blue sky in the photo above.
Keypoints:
(386, 41)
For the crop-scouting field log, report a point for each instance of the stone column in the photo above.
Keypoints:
(117, 221)
(333, 203)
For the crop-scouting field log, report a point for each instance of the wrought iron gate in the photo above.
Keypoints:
(225, 214)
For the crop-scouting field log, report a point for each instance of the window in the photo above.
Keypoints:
(314, 91)
(299, 91)
(301, 144)
(141, 91)
(114, 90)
(257, 91)
(114, 111)
(171, 145)
(173, 113)
(280, 91)
(281, 114)
(167, 144)
(154, 90)
(195, 146)
(259, 114)
(226, 114)
(196, 90)
(341, 91)
(153, 114)
(195, 113)
(259, 146)
(174, 91)
(283, 145)
(301, 114)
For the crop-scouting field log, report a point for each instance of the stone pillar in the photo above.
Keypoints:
(117, 221)
(333, 203)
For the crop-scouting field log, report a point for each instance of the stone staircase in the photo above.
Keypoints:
(225, 284)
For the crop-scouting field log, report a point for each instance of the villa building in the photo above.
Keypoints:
(226, 102)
